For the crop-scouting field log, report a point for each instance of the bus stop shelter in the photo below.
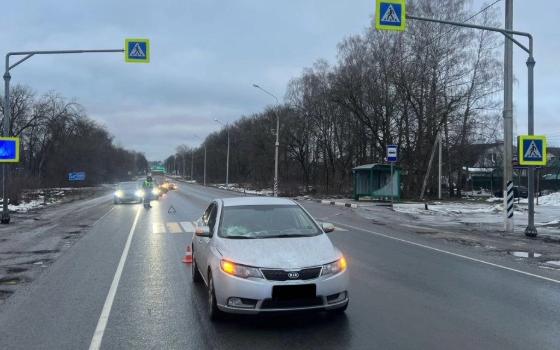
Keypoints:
(373, 181)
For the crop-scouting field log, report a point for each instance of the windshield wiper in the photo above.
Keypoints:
(239, 237)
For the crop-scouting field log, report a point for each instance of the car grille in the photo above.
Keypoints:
(283, 275)
(286, 304)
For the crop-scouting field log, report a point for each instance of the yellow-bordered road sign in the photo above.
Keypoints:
(390, 15)
(532, 150)
(137, 50)
(9, 149)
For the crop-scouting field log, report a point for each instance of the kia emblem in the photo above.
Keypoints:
(293, 275)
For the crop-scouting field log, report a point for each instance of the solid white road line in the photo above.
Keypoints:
(104, 317)
(338, 228)
(450, 253)
(187, 226)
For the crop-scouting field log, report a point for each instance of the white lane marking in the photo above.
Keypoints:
(104, 317)
(173, 227)
(187, 226)
(103, 217)
(338, 228)
(158, 228)
(451, 253)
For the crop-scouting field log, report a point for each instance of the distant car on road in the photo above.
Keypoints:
(258, 255)
(518, 192)
(128, 192)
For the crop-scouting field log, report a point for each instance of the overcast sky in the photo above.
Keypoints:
(206, 54)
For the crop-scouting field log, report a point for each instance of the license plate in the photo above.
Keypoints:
(300, 291)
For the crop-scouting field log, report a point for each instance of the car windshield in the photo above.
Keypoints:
(266, 221)
(128, 186)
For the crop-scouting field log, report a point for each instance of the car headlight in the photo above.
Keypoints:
(240, 270)
(155, 191)
(119, 193)
(139, 193)
(334, 267)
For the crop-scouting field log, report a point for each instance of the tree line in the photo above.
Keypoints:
(56, 138)
(385, 88)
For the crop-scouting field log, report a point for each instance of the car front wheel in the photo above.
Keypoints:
(213, 312)
(196, 278)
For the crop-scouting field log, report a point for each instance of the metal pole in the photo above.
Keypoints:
(204, 165)
(277, 143)
(7, 111)
(531, 230)
(391, 183)
(276, 156)
(508, 118)
(227, 157)
(439, 166)
(192, 163)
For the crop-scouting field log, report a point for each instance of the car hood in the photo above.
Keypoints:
(285, 253)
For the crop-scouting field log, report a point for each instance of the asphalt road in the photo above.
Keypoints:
(407, 292)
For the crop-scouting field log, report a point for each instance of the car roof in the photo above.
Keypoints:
(239, 201)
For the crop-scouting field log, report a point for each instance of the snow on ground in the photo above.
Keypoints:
(26, 206)
(486, 214)
(236, 188)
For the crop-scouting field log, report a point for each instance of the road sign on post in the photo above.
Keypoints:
(391, 153)
(79, 176)
(532, 150)
(9, 149)
(137, 50)
(390, 15)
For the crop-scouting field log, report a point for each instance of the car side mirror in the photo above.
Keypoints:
(327, 227)
(202, 231)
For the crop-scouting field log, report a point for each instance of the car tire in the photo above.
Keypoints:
(115, 201)
(214, 313)
(196, 277)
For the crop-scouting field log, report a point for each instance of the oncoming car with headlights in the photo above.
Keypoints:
(259, 255)
(128, 192)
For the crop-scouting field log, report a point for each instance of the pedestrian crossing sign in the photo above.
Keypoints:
(532, 150)
(137, 50)
(390, 15)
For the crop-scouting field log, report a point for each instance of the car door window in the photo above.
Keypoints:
(207, 213)
(212, 219)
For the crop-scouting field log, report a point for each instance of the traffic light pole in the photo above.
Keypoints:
(7, 110)
(531, 230)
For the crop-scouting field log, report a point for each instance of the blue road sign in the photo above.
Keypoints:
(390, 15)
(532, 150)
(392, 153)
(137, 50)
(9, 149)
(79, 176)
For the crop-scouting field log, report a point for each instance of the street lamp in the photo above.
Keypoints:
(277, 144)
(227, 156)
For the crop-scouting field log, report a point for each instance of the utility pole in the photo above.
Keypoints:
(227, 156)
(508, 121)
(192, 163)
(204, 164)
(7, 110)
(439, 165)
(277, 143)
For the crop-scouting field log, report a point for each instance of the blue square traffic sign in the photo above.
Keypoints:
(9, 149)
(390, 15)
(137, 50)
(532, 150)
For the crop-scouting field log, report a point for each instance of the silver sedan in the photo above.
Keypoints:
(263, 254)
